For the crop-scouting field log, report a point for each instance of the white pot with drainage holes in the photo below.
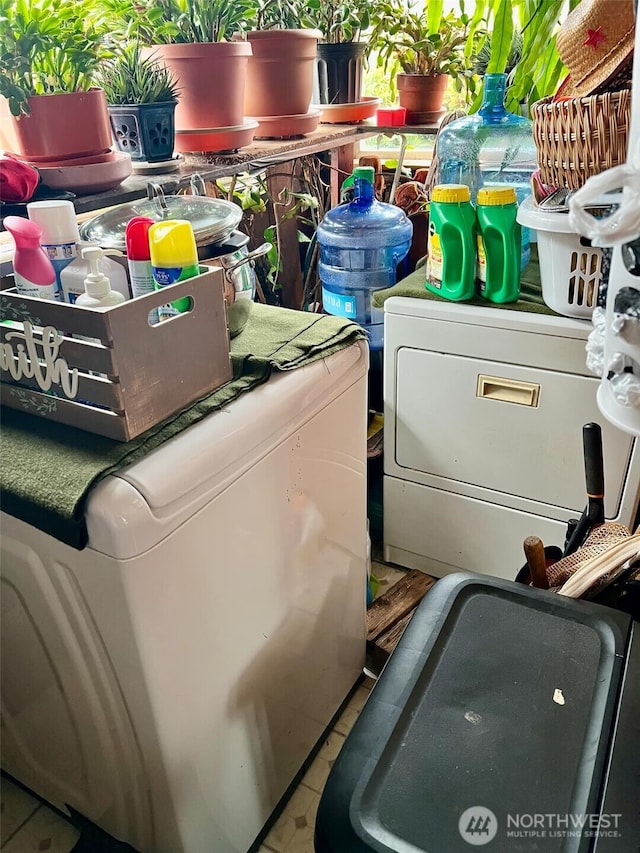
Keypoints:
(570, 267)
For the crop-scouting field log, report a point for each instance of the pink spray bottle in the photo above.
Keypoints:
(33, 272)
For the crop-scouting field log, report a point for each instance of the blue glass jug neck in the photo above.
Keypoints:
(493, 109)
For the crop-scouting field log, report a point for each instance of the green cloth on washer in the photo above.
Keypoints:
(530, 290)
(47, 468)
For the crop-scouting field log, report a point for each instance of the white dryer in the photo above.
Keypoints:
(169, 680)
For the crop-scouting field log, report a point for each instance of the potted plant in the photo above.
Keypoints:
(422, 48)
(281, 66)
(141, 95)
(341, 51)
(51, 110)
(193, 39)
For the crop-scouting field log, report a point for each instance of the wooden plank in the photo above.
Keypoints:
(386, 643)
(342, 159)
(395, 604)
(290, 276)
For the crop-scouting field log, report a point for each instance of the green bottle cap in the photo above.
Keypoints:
(364, 173)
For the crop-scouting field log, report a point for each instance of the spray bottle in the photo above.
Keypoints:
(174, 258)
(33, 272)
(60, 235)
(136, 237)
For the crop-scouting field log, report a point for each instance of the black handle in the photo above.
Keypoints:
(594, 476)
(594, 471)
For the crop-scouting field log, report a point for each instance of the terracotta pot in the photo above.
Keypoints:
(60, 127)
(211, 78)
(421, 95)
(280, 72)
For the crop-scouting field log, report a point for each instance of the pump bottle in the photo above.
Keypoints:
(74, 275)
(97, 287)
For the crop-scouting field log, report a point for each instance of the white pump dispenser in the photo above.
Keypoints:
(73, 276)
(97, 287)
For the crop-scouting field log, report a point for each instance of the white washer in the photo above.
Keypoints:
(169, 680)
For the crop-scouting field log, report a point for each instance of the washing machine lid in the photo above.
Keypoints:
(134, 509)
(490, 724)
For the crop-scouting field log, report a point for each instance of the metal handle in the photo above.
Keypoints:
(156, 193)
(508, 390)
(256, 253)
(197, 184)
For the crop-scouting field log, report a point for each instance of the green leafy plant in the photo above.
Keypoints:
(281, 14)
(263, 215)
(415, 41)
(48, 46)
(131, 78)
(539, 69)
(180, 21)
(338, 20)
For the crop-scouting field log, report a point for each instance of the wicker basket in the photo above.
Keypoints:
(580, 137)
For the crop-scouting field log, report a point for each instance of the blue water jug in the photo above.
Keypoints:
(361, 244)
(491, 148)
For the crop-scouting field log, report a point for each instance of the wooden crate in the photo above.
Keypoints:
(137, 374)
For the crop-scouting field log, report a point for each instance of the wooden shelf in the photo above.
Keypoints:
(259, 155)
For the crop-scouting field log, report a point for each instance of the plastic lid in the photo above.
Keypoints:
(451, 193)
(493, 196)
(137, 238)
(173, 244)
(57, 220)
(364, 173)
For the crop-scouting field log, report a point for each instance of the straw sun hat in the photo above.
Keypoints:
(595, 42)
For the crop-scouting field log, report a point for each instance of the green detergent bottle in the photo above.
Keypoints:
(499, 244)
(451, 246)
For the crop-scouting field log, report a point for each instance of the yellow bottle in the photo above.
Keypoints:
(174, 258)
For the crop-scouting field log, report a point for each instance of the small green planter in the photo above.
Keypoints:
(144, 131)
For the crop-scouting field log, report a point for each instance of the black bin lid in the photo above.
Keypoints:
(488, 727)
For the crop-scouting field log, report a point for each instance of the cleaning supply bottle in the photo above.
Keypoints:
(97, 293)
(60, 235)
(451, 260)
(136, 237)
(490, 148)
(33, 272)
(174, 258)
(97, 287)
(361, 244)
(74, 275)
(499, 243)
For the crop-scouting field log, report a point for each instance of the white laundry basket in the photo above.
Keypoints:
(570, 267)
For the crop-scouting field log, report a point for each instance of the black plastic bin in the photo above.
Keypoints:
(507, 719)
